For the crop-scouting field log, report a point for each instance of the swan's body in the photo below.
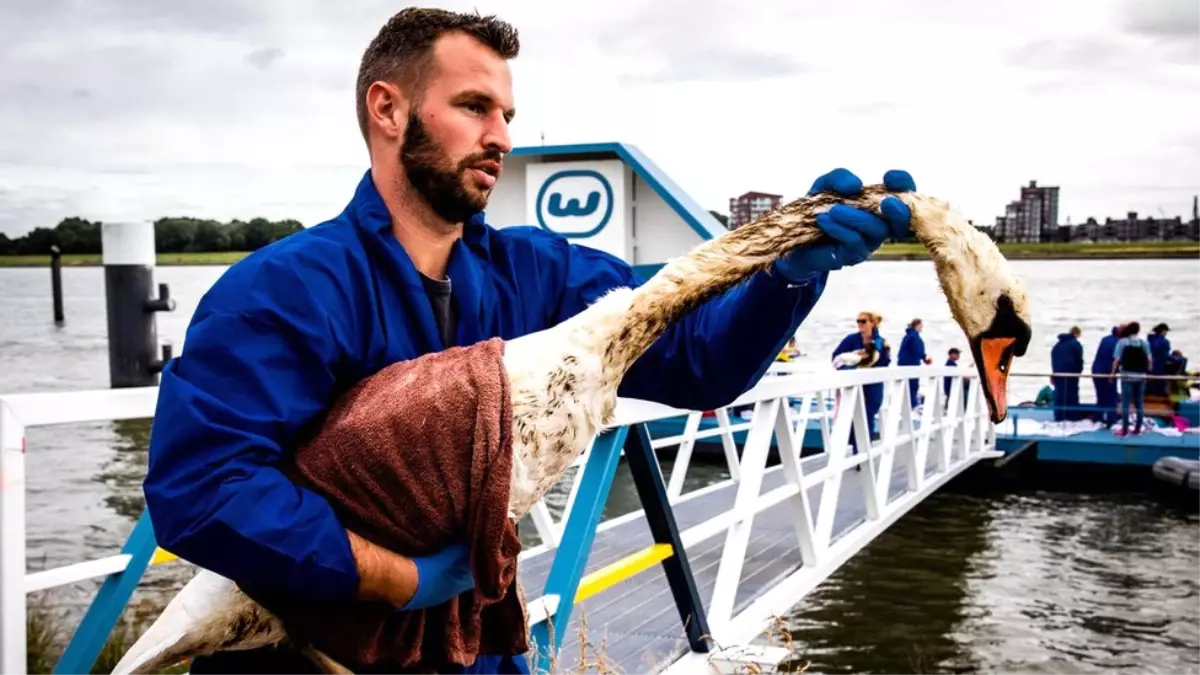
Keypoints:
(859, 358)
(563, 380)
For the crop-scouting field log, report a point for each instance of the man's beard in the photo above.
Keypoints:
(430, 172)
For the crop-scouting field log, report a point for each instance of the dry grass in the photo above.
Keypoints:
(43, 635)
(48, 633)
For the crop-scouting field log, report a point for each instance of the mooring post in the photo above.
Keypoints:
(129, 259)
(56, 283)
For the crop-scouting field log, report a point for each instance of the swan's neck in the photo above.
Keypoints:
(970, 269)
(714, 267)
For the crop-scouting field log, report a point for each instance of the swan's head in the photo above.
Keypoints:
(985, 298)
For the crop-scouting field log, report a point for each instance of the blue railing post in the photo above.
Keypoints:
(110, 601)
(571, 557)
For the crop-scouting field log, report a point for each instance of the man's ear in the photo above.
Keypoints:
(387, 109)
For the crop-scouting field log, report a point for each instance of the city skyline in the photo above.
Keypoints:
(1034, 217)
(1031, 191)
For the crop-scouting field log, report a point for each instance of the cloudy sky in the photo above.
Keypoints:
(136, 109)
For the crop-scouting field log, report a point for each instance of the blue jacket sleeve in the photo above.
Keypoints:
(848, 344)
(1077, 357)
(715, 353)
(912, 349)
(258, 365)
(908, 350)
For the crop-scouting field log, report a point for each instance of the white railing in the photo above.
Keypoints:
(772, 400)
(955, 434)
(549, 529)
(19, 412)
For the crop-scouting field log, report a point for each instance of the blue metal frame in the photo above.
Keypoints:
(571, 558)
(110, 601)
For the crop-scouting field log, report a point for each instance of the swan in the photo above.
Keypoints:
(564, 380)
(859, 358)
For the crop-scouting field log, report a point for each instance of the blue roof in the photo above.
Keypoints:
(697, 217)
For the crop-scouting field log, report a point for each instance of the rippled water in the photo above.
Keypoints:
(1036, 582)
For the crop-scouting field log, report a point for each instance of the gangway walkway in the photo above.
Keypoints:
(689, 582)
(638, 621)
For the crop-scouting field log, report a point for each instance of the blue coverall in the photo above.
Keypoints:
(1106, 389)
(1160, 352)
(1066, 357)
(290, 327)
(947, 382)
(872, 393)
(912, 353)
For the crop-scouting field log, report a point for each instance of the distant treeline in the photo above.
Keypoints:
(171, 235)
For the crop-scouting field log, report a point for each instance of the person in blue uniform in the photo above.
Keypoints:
(412, 266)
(912, 353)
(1106, 388)
(951, 360)
(1067, 357)
(867, 337)
(1160, 352)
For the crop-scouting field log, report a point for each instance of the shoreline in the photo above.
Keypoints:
(903, 252)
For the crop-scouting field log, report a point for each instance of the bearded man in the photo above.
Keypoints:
(410, 267)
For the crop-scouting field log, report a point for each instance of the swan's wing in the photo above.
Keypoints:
(209, 614)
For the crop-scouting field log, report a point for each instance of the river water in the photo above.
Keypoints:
(1034, 582)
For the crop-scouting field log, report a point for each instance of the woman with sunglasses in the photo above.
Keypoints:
(878, 354)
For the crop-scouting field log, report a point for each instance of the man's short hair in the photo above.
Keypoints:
(400, 51)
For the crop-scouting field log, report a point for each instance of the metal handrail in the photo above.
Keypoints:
(19, 412)
(1139, 376)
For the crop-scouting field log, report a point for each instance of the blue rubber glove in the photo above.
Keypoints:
(854, 234)
(442, 576)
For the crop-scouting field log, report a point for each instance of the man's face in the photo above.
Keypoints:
(457, 131)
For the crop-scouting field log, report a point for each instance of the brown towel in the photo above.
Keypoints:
(413, 458)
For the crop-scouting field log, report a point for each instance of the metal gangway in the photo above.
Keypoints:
(690, 582)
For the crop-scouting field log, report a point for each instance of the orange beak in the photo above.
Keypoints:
(995, 356)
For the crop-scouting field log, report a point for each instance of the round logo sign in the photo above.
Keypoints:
(575, 203)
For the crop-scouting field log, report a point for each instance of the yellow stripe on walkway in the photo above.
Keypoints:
(619, 571)
(603, 578)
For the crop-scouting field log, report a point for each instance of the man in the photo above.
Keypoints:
(1066, 358)
(1160, 350)
(411, 267)
(951, 360)
(1106, 389)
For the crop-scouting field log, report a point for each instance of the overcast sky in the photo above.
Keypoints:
(136, 109)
